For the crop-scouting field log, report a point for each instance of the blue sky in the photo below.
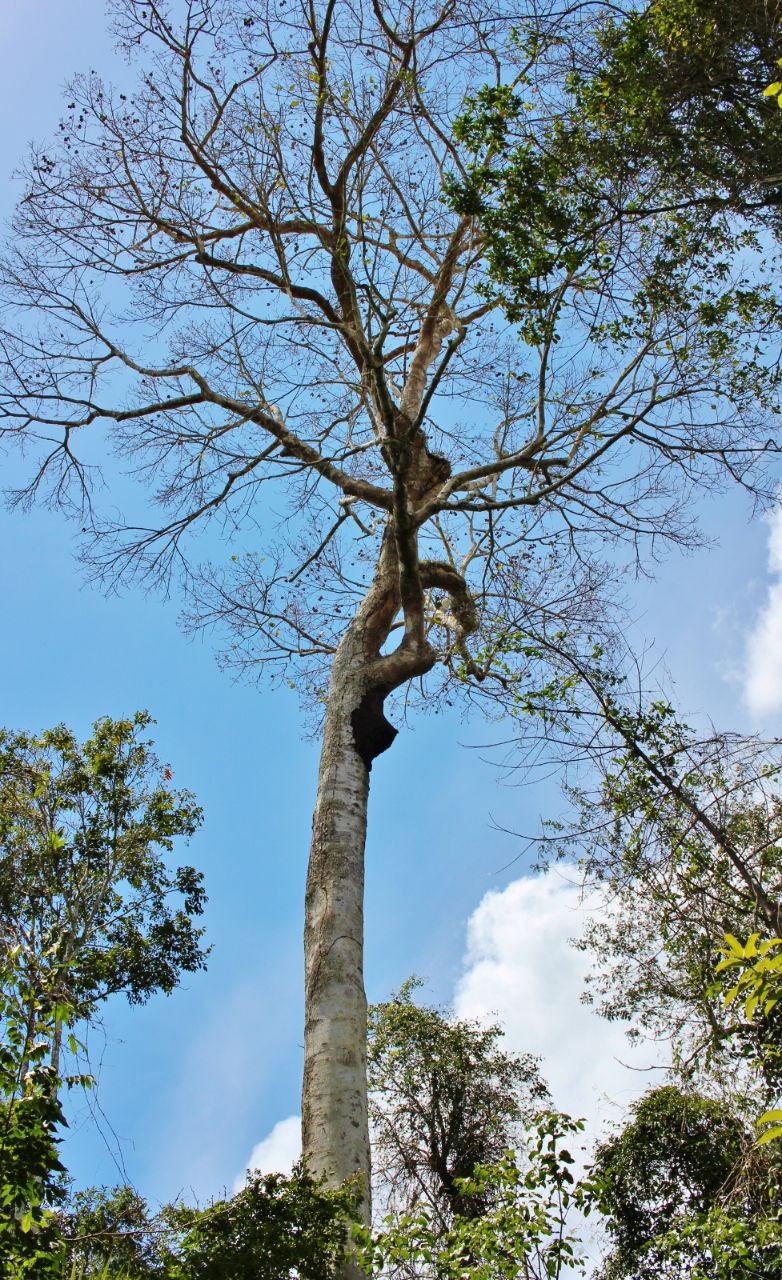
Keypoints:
(189, 1085)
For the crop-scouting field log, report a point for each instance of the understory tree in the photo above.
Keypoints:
(525, 1226)
(88, 906)
(470, 1168)
(31, 1124)
(244, 278)
(679, 831)
(685, 1192)
(88, 909)
(274, 1228)
(111, 1231)
(445, 1098)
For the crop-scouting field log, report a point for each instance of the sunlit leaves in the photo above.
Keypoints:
(31, 1120)
(84, 886)
(526, 1230)
(774, 90)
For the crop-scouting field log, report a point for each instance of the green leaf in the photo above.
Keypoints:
(731, 995)
(734, 945)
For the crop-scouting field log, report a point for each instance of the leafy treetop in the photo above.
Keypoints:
(85, 893)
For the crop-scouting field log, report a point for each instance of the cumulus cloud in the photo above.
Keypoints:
(520, 969)
(763, 666)
(276, 1153)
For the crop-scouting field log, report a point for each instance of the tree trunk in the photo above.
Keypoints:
(335, 1123)
(335, 1128)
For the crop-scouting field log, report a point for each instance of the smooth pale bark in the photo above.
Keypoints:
(335, 1129)
(335, 1126)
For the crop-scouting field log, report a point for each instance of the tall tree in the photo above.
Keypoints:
(245, 274)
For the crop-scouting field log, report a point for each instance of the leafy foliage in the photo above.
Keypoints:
(643, 119)
(276, 1227)
(273, 1228)
(522, 1229)
(637, 171)
(719, 1245)
(682, 834)
(111, 1233)
(31, 1116)
(84, 913)
(678, 84)
(774, 90)
(683, 1193)
(760, 967)
(754, 969)
(445, 1100)
(84, 889)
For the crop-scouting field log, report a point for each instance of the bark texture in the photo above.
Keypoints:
(334, 1112)
(335, 1126)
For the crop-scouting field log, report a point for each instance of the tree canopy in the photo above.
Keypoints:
(674, 1179)
(86, 897)
(651, 122)
(85, 913)
(445, 1099)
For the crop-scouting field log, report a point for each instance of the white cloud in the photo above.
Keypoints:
(276, 1153)
(763, 665)
(520, 969)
